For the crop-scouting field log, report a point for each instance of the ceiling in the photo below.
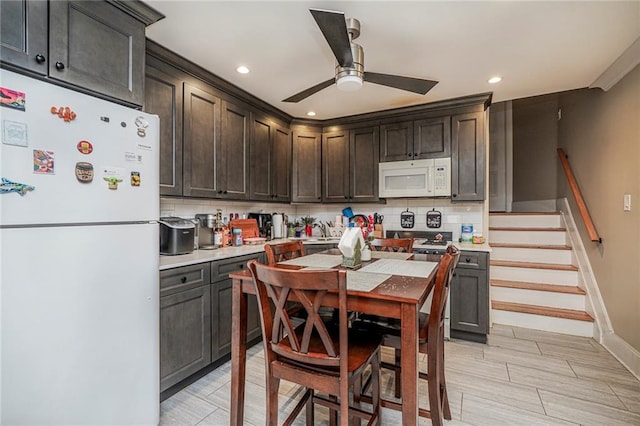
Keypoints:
(536, 47)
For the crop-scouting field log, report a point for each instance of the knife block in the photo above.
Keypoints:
(378, 230)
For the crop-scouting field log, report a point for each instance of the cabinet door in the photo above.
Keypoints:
(23, 31)
(335, 167)
(396, 141)
(262, 173)
(432, 137)
(281, 164)
(307, 167)
(470, 301)
(467, 157)
(232, 163)
(97, 46)
(163, 96)
(185, 334)
(201, 141)
(363, 157)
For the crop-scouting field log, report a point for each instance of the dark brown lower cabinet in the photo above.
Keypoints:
(185, 334)
(470, 297)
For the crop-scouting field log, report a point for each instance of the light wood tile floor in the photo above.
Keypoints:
(520, 377)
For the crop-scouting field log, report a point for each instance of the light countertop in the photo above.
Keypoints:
(202, 256)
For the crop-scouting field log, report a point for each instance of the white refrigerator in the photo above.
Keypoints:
(79, 295)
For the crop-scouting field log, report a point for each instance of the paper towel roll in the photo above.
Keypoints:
(278, 225)
(338, 220)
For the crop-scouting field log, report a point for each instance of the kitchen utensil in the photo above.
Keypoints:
(407, 219)
(434, 219)
(347, 212)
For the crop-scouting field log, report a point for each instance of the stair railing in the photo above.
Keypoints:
(575, 190)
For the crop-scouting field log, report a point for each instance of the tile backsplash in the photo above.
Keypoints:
(453, 214)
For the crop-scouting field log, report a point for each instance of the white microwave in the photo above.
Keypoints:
(415, 178)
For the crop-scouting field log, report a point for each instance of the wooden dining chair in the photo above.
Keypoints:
(313, 354)
(392, 244)
(430, 340)
(283, 251)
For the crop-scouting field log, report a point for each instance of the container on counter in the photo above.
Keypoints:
(477, 238)
(237, 237)
(467, 228)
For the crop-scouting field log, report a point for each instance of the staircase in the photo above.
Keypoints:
(534, 283)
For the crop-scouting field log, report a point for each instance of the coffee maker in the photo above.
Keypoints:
(206, 226)
(264, 224)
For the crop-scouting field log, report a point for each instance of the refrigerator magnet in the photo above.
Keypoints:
(14, 133)
(84, 172)
(84, 147)
(112, 181)
(64, 113)
(105, 119)
(8, 186)
(133, 157)
(43, 162)
(135, 178)
(13, 99)
(142, 124)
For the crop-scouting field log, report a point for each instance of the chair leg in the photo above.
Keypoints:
(433, 384)
(333, 415)
(272, 401)
(357, 396)
(309, 411)
(398, 386)
(444, 398)
(375, 390)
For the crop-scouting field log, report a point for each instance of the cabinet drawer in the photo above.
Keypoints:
(184, 278)
(221, 269)
(473, 260)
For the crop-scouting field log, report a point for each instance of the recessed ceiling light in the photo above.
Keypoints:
(494, 80)
(242, 69)
(311, 113)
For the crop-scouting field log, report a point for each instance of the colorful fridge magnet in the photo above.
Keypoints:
(142, 125)
(13, 99)
(43, 162)
(105, 119)
(84, 172)
(135, 178)
(84, 147)
(14, 133)
(8, 186)
(65, 113)
(112, 181)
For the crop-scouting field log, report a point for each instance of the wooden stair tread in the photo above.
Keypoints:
(542, 310)
(528, 229)
(531, 246)
(524, 213)
(554, 288)
(532, 265)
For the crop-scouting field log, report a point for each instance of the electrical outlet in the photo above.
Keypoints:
(627, 202)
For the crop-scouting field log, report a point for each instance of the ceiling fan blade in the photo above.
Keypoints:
(310, 91)
(334, 28)
(415, 85)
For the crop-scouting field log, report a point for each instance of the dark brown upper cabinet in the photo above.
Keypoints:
(416, 139)
(232, 158)
(307, 166)
(163, 97)
(201, 142)
(96, 46)
(270, 160)
(350, 165)
(468, 157)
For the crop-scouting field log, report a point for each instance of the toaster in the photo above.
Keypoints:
(177, 235)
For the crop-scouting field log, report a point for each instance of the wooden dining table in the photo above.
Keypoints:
(397, 296)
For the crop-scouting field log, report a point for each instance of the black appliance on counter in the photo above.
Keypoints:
(427, 245)
(264, 223)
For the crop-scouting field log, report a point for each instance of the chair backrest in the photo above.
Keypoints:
(392, 244)
(441, 290)
(280, 286)
(283, 251)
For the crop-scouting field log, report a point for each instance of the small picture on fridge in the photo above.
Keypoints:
(43, 162)
(13, 99)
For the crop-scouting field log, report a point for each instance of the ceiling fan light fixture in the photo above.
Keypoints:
(349, 83)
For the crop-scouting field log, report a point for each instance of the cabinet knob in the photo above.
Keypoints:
(183, 280)
(40, 58)
(409, 155)
(346, 198)
(275, 196)
(59, 66)
(224, 192)
(454, 195)
(242, 266)
(219, 191)
(467, 259)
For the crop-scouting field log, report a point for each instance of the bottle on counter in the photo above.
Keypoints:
(217, 235)
(237, 237)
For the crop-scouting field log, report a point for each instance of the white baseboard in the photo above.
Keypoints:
(624, 352)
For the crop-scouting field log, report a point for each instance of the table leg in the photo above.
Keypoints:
(409, 364)
(238, 351)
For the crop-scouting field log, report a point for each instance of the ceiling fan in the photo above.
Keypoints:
(340, 33)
